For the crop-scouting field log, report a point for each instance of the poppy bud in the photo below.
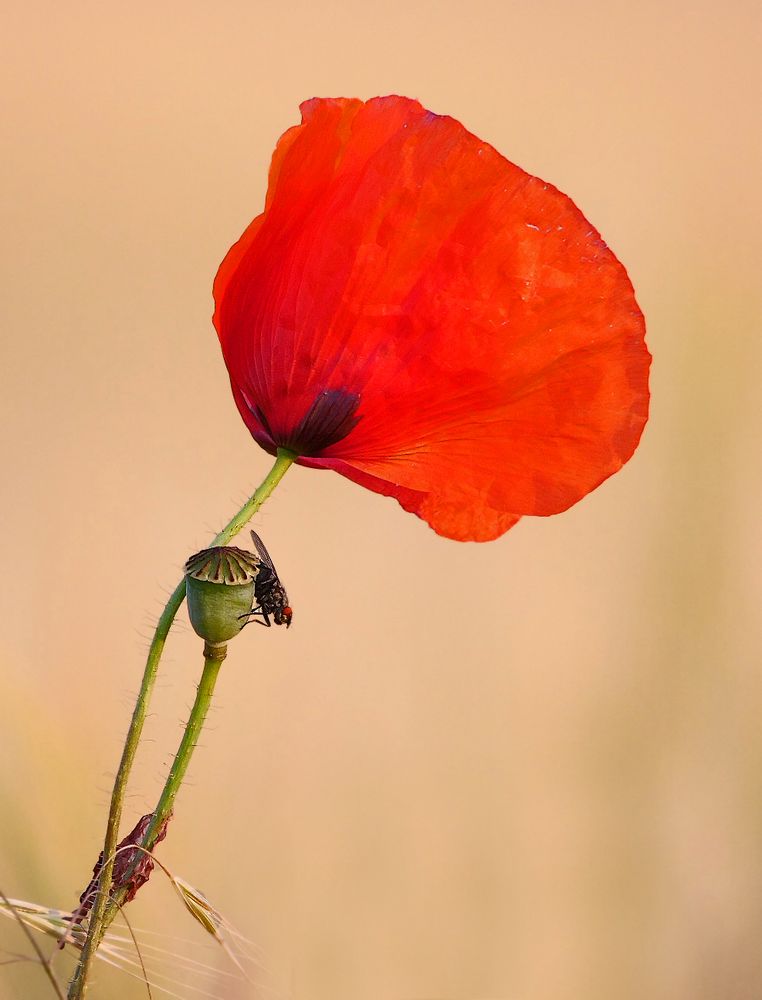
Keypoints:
(220, 589)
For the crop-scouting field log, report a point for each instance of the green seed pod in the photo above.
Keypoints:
(220, 588)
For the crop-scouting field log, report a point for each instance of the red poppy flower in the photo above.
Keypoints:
(424, 317)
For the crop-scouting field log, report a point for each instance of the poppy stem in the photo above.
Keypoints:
(97, 925)
(214, 654)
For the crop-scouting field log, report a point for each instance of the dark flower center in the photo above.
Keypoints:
(330, 418)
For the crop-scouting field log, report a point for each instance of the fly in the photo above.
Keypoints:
(269, 593)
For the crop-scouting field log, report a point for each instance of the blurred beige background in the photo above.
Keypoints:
(527, 770)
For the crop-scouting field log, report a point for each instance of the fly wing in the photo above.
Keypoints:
(264, 555)
(276, 587)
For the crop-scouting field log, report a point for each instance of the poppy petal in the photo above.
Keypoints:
(429, 320)
(453, 518)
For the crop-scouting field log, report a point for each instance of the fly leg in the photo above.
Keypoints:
(256, 611)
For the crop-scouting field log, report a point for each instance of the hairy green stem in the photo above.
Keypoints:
(96, 927)
(212, 662)
(213, 657)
